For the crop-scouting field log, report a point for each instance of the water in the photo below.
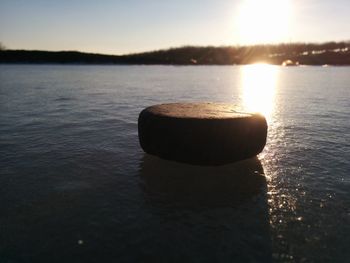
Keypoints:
(76, 186)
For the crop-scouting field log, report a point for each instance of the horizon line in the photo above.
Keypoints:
(4, 48)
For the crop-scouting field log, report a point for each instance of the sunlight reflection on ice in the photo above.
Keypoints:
(258, 84)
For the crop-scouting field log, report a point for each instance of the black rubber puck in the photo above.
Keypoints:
(201, 133)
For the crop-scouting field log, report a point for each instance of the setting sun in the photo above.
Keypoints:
(264, 21)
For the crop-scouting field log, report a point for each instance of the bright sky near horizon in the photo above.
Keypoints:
(119, 27)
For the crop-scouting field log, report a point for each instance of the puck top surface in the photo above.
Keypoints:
(197, 111)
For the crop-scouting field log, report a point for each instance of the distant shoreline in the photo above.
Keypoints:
(331, 53)
(165, 65)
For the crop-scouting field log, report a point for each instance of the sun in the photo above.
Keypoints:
(263, 21)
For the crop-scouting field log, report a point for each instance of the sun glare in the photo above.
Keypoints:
(264, 22)
(259, 83)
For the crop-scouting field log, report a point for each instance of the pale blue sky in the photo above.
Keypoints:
(118, 27)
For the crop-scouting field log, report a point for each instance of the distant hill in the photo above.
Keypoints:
(331, 53)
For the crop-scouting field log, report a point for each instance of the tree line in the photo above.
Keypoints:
(332, 53)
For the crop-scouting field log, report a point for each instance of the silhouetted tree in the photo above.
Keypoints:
(2, 47)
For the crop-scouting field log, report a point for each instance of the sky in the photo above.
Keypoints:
(131, 26)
